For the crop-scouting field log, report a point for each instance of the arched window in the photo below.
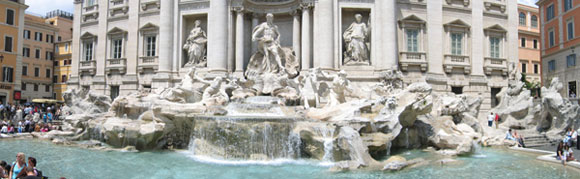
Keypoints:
(534, 21)
(522, 19)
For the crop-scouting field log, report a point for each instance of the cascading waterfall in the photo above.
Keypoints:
(407, 137)
(224, 138)
(327, 133)
(477, 150)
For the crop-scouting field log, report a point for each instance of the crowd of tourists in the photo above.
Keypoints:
(21, 168)
(564, 151)
(28, 118)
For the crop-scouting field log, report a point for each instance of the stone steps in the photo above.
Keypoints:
(537, 141)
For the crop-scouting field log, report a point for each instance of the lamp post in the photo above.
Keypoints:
(1, 58)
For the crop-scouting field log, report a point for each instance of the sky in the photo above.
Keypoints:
(528, 2)
(41, 7)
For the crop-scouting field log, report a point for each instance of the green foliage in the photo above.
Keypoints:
(533, 87)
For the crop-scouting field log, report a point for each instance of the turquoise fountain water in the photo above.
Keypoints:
(56, 161)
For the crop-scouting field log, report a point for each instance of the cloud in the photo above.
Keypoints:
(41, 7)
(528, 2)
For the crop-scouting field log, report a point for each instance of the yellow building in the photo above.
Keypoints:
(62, 67)
(38, 58)
(11, 29)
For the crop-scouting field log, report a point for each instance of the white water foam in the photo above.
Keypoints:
(275, 162)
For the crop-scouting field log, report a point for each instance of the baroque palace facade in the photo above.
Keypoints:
(460, 46)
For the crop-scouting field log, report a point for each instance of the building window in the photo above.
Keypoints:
(571, 60)
(8, 74)
(37, 54)
(9, 16)
(26, 34)
(524, 67)
(36, 72)
(24, 71)
(457, 90)
(54, 79)
(66, 47)
(63, 79)
(117, 45)
(570, 29)
(90, 3)
(35, 87)
(523, 42)
(38, 36)
(47, 88)
(534, 21)
(572, 89)
(59, 38)
(8, 44)
(150, 46)
(47, 73)
(114, 92)
(88, 52)
(23, 86)
(535, 44)
(457, 43)
(494, 43)
(412, 40)
(522, 19)
(536, 68)
(552, 65)
(551, 38)
(550, 12)
(568, 5)
(26, 52)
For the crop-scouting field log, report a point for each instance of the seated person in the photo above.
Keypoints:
(509, 135)
(560, 150)
(570, 154)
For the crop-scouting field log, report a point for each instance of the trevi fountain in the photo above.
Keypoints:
(277, 120)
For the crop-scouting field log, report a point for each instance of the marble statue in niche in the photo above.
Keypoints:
(270, 57)
(195, 45)
(356, 39)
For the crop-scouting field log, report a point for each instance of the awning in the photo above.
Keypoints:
(46, 101)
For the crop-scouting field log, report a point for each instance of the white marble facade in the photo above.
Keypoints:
(455, 45)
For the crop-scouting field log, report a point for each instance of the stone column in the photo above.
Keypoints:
(324, 34)
(385, 33)
(239, 40)
(306, 37)
(217, 35)
(255, 21)
(477, 40)
(166, 36)
(434, 35)
(73, 82)
(163, 77)
(296, 34)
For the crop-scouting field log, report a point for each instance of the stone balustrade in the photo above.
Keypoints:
(148, 63)
(495, 64)
(88, 66)
(407, 59)
(116, 64)
(458, 62)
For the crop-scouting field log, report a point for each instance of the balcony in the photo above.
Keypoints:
(88, 66)
(495, 64)
(499, 5)
(118, 7)
(91, 9)
(148, 63)
(413, 59)
(458, 62)
(116, 64)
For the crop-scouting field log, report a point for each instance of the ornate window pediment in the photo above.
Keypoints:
(495, 29)
(412, 19)
(115, 31)
(457, 24)
(88, 35)
(149, 27)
